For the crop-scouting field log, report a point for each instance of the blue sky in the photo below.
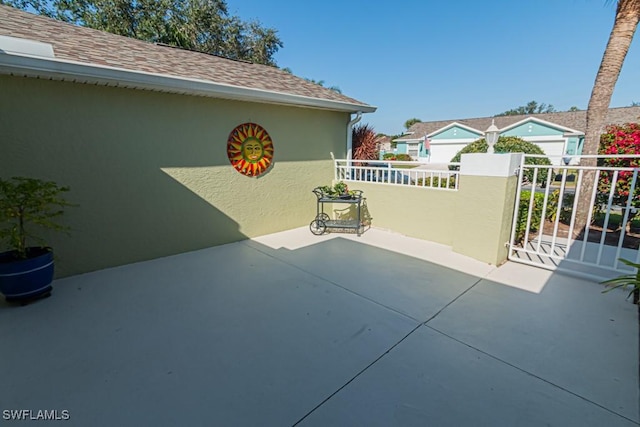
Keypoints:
(441, 60)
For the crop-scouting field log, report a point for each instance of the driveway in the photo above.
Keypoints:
(286, 329)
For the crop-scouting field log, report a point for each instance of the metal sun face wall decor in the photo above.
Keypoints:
(250, 149)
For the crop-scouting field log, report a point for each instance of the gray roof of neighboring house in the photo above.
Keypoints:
(576, 120)
(98, 48)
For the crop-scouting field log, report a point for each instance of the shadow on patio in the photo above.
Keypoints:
(332, 330)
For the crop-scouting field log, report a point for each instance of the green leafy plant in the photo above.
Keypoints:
(339, 188)
(509, 144)
(438, 182)
(27, 203)
(523, 213)
(614, 220)
(566, 210)
(326, 189)
(404, 157)
(389, 156)
(626, 280)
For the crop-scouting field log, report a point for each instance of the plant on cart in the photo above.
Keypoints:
(338, 190)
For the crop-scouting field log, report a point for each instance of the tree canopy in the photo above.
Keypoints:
(508, 144)
(200, 25)
(321, 83)
(411, 122)
(532, 107)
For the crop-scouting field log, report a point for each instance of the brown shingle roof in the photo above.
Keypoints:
(89, 46)
(576, 120)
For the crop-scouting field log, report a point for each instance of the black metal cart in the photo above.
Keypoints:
(323, 221)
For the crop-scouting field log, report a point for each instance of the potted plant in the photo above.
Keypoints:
(26, 204)
(626, 280)
(341, 190)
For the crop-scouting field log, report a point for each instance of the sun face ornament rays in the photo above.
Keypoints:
(250, 149)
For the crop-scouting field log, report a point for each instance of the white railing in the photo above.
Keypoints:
(396, 172)
(544, 230)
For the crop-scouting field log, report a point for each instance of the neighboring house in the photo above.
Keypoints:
(556, 133)
(383, 143)
(140, 133)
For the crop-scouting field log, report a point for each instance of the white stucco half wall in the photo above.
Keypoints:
(483, 164)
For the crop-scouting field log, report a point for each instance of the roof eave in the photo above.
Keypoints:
(543, 122)
(408, 139)
(78, 72)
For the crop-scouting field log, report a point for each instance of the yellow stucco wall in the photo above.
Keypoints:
(484, 214)
(418, 212)
(149, 171)
(475, 220)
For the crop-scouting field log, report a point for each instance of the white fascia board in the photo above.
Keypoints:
(539, 121)
(58, 69)
(549, 138)
(408, 139)
(456, 124)
(453, 141)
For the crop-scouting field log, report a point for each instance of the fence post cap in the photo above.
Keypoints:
(483, 164)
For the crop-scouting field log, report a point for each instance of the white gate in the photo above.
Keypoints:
(545, 232)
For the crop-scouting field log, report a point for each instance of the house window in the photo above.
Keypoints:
(413, 150)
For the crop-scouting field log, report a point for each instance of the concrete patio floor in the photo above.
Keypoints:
(337, 330)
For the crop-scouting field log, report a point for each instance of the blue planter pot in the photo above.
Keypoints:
(24, 279)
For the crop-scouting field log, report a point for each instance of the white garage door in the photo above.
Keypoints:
(442, 153)
(552, 148)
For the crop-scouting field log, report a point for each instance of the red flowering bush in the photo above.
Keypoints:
(620, 139)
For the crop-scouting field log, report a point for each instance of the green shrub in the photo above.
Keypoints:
(567, 207)
(403, 157)
(438, 182)
(523, 212)
(614, 220)
(552, 206)
(509, 144)
(567, 211)
(389, 156)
